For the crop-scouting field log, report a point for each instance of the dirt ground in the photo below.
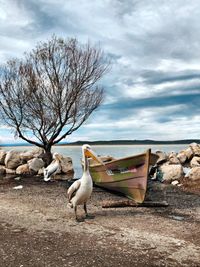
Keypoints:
(38, 229)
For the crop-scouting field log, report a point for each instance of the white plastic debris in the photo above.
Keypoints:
(175, 182)
(187, 171)
(18, 187)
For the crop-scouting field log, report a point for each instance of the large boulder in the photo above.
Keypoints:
(195, 162)
(28, 155)
(37, 152)
(23, 169)
(66, 165)
(35, 164)
(162, 157)
(2, 157)
(173, 158)
(194, 174)
(12, 159)
(195, 149)
(10, 171)
(182, 157)
(170, 172)
(188, 152)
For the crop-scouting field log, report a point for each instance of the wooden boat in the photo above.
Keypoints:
(126, 175)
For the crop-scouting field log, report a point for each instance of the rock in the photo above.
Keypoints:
(37, 151)
(2, 157)
(182, 157)
(195, 149)
(34, 153)
(194, 174)
(12, 159)
(2, 169)
(171, 172)
(189, 153)
(23, 169)
(195, 162)
(35, 164)
(66, 165)
(162, 157)
(26, 156)
(173, 158)
(10, 171)
(41, 171)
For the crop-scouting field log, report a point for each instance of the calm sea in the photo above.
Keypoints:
(117, 151)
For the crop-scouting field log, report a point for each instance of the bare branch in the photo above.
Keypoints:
(52, 91)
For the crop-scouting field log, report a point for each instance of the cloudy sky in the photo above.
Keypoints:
(153, 88)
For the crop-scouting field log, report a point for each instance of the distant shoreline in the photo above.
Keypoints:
(116, 142)
(134, 142)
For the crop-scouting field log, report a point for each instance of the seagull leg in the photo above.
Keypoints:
(86, 214)
(77, 219)
(85, 209)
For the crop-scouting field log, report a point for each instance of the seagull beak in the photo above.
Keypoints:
(91, 154)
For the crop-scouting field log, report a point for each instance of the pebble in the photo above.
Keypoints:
(18, 187)
(177, 218)
(36, 211)
(17, 178)
(17, 230)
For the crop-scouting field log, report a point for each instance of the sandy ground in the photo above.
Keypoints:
(37, 229)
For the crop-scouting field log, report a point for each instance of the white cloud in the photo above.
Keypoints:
(144, 124)
(153, 46)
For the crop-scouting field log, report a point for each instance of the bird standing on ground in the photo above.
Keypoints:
(53, 168)
(80, 191)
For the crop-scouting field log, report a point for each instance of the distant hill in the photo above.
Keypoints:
(134, 142)
(117, 142)
(17, 144)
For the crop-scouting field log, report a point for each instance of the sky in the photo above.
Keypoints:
(153, 88)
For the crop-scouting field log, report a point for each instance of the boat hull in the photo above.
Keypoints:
(127, 175)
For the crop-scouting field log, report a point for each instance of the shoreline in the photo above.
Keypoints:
(97, 145)
(113, 143)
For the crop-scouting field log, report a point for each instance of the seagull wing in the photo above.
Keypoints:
(73, 188)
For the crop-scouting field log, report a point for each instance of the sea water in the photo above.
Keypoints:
(117, 151)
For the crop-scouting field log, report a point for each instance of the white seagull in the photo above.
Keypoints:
(80, 191)
(53, 168)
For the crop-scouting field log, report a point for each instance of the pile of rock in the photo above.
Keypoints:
(30, 163)
(174, 166)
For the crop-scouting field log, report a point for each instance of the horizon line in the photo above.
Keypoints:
(114, 141)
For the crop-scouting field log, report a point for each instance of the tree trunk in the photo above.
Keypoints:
(47, 157)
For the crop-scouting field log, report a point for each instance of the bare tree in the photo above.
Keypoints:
(52, 91)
